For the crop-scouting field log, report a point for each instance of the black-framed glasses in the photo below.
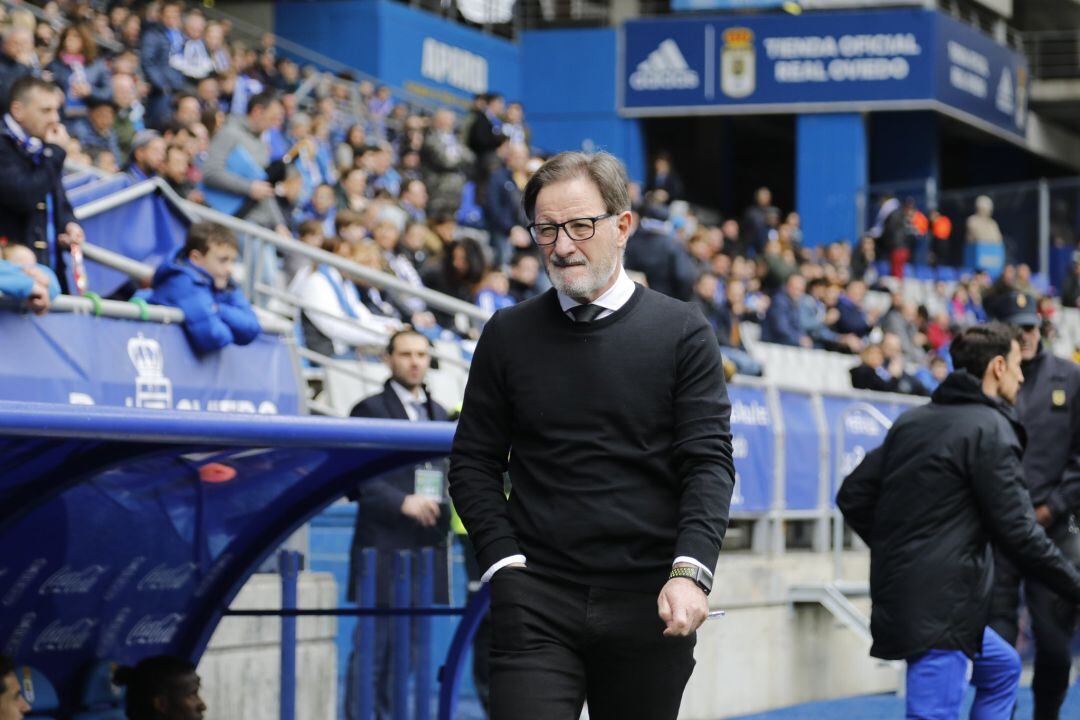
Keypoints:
(577, 229)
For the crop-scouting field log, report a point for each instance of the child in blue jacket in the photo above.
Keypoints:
(199, 282)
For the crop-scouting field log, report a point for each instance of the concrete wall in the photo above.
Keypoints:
(765, 653)
(240, 669)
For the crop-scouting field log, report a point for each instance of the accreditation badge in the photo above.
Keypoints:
(738, 63)
(428, 483)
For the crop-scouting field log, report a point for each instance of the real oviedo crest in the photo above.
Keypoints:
(738, 65)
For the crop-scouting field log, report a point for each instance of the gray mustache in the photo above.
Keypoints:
(567, 262)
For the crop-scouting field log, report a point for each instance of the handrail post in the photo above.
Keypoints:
(426, 598)
(363, 669)
(289, 568)
(399, 638)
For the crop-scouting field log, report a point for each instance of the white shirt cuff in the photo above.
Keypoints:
(692, 561)
(486, 577)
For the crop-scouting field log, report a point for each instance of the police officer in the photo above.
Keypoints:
(1049, 408)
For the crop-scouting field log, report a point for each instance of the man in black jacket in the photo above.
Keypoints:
(945, 485)
(405, 510)
(1049, 408)
(606, 402)
(34, 209)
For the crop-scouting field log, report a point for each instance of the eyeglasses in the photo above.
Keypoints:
(577, 229)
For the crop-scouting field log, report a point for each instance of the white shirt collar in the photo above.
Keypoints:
(615, 297)
(407, 398)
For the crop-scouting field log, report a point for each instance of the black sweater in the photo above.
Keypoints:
(617, 438)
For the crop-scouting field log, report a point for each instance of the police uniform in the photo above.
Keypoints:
(1049, 408)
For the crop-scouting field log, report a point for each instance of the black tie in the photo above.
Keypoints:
(585, 313)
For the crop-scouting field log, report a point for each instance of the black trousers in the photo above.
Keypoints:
(1053, 622)
(556, 644)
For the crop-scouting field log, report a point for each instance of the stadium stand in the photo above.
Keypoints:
(803, 408)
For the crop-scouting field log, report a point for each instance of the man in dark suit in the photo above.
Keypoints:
(34, 209)
(405, 509)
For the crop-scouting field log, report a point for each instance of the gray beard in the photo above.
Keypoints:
(596, 277)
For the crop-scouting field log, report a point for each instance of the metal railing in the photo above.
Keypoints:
(265, 237)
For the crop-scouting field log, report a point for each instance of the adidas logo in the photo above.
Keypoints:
(664, 69)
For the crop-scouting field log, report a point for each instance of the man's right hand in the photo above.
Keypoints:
(57, 135)
(423, 510)
(260, 190)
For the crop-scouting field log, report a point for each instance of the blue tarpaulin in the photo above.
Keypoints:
(127, 532)
(148, 229)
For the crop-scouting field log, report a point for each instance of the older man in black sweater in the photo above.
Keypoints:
(606, 401)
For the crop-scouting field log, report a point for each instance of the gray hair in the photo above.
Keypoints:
(604, 169)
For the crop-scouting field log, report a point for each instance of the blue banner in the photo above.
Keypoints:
(78, 360)
(830, 62)
(855, 428)
(802, 452)
(979, 77)
(754, 448)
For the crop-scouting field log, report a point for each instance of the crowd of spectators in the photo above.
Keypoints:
(432, 197)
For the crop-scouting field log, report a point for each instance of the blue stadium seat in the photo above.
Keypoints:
(98, 189)
(923, 272)
(39, 692)
(947, 273)
(77, 180)
(98, 690)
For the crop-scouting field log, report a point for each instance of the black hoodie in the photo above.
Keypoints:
(946, 483)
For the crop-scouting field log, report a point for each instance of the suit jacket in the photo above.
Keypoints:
(24, 183)
(379, 521)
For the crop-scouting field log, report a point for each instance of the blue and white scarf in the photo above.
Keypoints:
(32, 146)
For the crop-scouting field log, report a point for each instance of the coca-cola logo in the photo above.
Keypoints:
(164, 577)
(124, 578)
(28, 576)
(69, 581)
(155, 631)
(111, 634)
(58, 637)
(18, 635)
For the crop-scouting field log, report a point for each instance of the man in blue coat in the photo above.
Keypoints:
(782, 323)
(199, 282)
(403, 510)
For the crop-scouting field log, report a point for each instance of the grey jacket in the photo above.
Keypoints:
(216, 175)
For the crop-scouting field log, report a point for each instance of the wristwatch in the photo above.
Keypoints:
(701, 577)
